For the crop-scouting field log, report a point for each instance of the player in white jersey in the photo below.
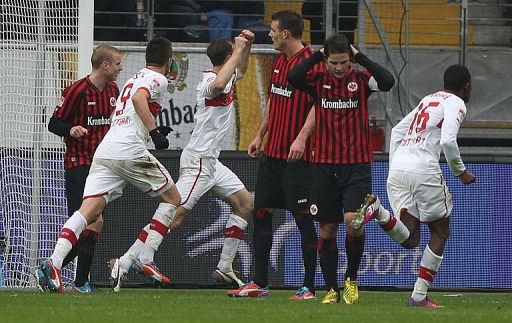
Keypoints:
(200, 169)
(415, 186)
(122, 158)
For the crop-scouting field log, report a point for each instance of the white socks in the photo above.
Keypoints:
(159, 227)
(430, 263)
(68, 237)
(233, 234)
(392, 225)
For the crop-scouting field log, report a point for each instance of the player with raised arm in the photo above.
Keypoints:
(342, 155)
(416, 188)
(279, 183)
(200, 169)
(82, 118)
(122, 157)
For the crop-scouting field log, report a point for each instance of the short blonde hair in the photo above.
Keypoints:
(103, 53)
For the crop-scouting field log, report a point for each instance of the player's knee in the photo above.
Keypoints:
(171, 196)
(176, 199)
(245, 211)
(98, 224)
(262, 214)
(413, 241)
(328, 230)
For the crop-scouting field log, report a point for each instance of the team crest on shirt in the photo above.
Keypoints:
(352, 86)
(313, 209)
(112, 101)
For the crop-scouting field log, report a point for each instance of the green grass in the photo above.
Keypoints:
(167, 305)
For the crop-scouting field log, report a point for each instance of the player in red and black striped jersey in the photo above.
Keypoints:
(341, 155)
(82, 118)
(280, 184)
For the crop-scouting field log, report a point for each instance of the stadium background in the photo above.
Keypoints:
(38, 61)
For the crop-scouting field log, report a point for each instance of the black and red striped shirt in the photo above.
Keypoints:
(83, 104)
(288, 108)
(341, 133)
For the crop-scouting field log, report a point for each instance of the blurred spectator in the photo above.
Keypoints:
(118, 20)
(225, 19)
(179, 21)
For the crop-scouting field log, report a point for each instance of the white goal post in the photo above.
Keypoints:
(44, 46)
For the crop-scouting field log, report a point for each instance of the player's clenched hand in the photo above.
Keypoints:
(296, 150)
(247, 34)
(254, 147)
(240, 43)
(158, 139)
(467, 177)
(77, 131)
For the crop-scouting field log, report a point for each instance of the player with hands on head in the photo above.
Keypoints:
(416, 188)
(200, 169)
(122, 157)
(342, 156)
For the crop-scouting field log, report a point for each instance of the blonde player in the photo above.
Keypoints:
(200, 169)
(122, 157)
(416, 188)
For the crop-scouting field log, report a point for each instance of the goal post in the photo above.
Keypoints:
(44, 45)
(85, 36)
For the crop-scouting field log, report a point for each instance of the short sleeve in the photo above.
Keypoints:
(204, 85)
(67, 103)
(157, 86)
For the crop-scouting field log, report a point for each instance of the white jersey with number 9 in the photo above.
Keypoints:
(128, 136)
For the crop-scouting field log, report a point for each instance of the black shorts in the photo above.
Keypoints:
(282, 185)
(337, 189)
(75, 183)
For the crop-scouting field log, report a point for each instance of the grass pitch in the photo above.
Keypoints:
(176, 305)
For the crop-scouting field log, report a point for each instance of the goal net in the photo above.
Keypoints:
(38, 58)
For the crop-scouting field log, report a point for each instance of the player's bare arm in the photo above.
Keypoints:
(254, 147)
(141, 105)
(227, 70)
(299, 144)
(243, 63)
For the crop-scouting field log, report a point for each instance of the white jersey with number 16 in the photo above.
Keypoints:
(128, 136)
(417, 140)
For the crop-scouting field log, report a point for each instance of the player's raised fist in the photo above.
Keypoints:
(247, 34)
(240, 42)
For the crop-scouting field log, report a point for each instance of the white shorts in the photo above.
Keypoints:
(425, 196)
(201, 175)
(108, 177)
